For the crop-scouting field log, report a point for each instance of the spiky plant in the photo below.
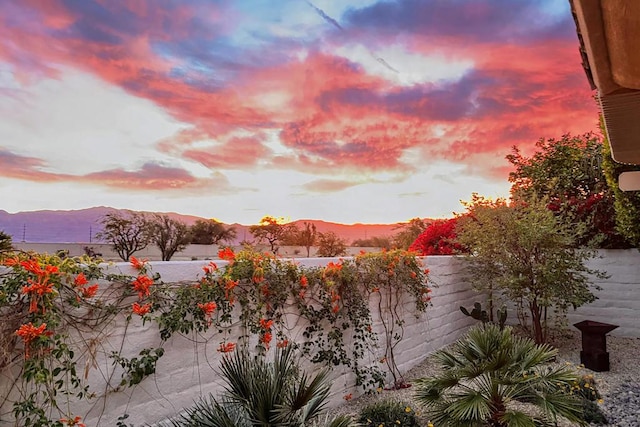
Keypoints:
(262, 393)
(491, 377)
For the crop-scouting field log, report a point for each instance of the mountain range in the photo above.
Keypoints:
(81, 226)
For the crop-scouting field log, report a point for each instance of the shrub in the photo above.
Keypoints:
(259, 393)
(489, 370)
(388, 413)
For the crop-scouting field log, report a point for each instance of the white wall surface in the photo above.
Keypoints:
(189, 367)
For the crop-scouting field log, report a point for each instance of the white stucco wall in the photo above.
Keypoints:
(188, 368)
(618, 301)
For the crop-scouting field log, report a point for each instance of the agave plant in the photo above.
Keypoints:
(491, 377)
(260, 393)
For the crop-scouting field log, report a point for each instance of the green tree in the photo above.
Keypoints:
(489, 370)
(330, 245)
(211, 232)
(527, 254)
(568, 173)
(5, 242)
(170, 235)
(273, 231)
(259, 393)
(128, 232)
(626, 203)
(408, 233)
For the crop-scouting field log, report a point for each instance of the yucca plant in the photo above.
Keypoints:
(492, 378)
(262, 393)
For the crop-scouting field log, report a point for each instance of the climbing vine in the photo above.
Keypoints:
(58, 311)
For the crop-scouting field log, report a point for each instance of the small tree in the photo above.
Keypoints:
(5, 241)
(568, 173)
(528, 254)
(128, 232)
(211, 232)
(305, 237)
(408, 233)
(272, 230)
(330, 245)
(169, 235)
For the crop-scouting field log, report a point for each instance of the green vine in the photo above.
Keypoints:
(58, 309)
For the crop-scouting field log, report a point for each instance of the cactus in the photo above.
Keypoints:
(479, 314)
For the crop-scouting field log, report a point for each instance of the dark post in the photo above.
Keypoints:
(594, 353)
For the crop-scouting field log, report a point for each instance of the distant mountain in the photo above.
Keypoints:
(81, 226)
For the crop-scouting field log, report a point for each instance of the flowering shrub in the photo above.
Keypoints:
(56, 310)
(439, 238)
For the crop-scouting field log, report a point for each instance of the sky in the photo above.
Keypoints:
(370, 111)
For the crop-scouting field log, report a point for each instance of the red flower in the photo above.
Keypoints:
(282, 344)
(29, 333)
(208, 269)
(89, 292)
(266, 339)
(80, 280)
(10, 262)
(335, 308)
(142, 285)
(141, 310)
(207, 307)
(304, 282)
(138, 264)
(348, 397)
(226, 347)
(227, 254)
(333, 267)
(266, 324)
(73, 422)
(37, 290)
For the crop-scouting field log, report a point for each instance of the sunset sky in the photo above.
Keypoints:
(347, 111)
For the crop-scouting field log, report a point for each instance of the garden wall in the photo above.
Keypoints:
(189, 367)
(618, 301)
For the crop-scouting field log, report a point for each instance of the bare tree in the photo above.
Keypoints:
(170, 235)
(128, 232)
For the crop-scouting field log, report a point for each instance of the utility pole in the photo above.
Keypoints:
(24, 232)
(90, 233)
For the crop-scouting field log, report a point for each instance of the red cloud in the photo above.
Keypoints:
(328, 185)
(332, 114)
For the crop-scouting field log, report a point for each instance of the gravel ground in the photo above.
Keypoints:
(619, 386)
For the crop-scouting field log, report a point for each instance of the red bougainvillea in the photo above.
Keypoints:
(438, 239)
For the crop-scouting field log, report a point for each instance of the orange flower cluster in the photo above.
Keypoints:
(141, 310)
(304, 282)
(75, 422)
(226, 347)
(138, 264)
(209, 269)
(227, 254)
(28, 332)
(266, 326)
(40, 287)
(86, 292)
(228, 290)
(282, 343)
(208, 309)
(141, 285)
(335, 301)
(332, 268)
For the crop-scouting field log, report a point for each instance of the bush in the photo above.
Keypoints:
(388, 413)
(489, 370)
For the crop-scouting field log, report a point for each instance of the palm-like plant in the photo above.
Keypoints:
(491, 377)
(259, 393)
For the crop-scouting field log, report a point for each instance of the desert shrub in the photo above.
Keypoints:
(388, 413)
